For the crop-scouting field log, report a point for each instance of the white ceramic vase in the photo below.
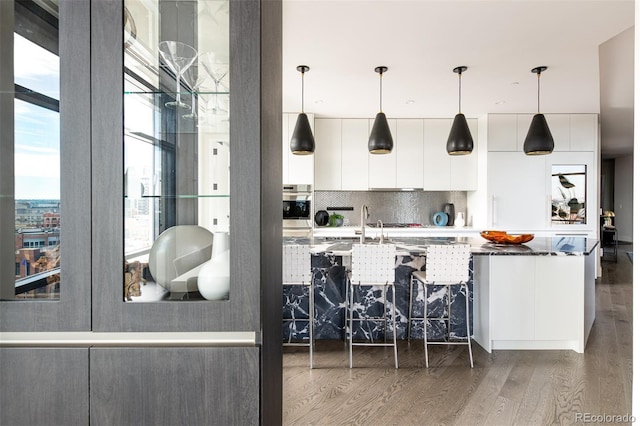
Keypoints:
(459, 222)
(214, 276)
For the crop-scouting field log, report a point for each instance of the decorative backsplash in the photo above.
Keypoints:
(390, 206)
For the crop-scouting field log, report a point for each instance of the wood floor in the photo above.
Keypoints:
(504, 388)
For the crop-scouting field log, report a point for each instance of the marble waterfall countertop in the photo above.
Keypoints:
(539, 246)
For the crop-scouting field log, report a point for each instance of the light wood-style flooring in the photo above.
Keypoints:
(504, 388)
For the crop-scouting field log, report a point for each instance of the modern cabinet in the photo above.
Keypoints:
(296, 169)
(328, 155)
(517, 191)
(355, 154)
(444, 172)
(409, 153)
(419, 158)
(534, 302)
(217, 141)
(571, 132)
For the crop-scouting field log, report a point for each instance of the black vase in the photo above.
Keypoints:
(450, 210)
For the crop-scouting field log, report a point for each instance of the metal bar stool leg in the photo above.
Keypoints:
(393, 323)
(466, 298)
(411, 280)
(350, 330)
(312, 308)
(424, 327)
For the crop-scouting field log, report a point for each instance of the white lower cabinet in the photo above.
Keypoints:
(534, 302)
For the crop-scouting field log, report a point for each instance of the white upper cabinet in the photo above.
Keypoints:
(355, 155)
(571, 132)
(296, 169)
(409, 151)
(328, 155)
(383, 167)
(437, 165)
(444, 172)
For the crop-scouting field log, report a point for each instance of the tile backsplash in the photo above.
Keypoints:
(391, 206)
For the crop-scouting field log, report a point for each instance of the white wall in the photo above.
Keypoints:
(623, 197)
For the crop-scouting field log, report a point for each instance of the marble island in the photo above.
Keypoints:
(538, 295)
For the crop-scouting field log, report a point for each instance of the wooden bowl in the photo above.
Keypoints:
(501, 237)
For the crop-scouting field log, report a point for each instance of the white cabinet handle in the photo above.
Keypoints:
(494, 210)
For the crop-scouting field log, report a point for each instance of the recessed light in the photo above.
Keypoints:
(410, 101)
(500, 102)
(319, 101)
(515, 83)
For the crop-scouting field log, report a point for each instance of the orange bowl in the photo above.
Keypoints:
(501, 237)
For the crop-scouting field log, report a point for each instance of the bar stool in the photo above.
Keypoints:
(373, 265)
(296, 270)
(445, 265)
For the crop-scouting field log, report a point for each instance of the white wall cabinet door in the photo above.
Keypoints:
(383, 167)
(502, 132)
(464, 168)
(409, 148)
(584, 132)
(328, 154)
(437, 165)
(517, 189)
(296, 169)
(355, 154)
(560, 127)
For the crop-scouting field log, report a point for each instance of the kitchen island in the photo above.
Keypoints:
(538, 295)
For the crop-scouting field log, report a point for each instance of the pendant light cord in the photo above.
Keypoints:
(459, 92)
(380, 91)
(538, 92)
(302, 79)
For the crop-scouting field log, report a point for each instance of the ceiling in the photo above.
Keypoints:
(421, 41)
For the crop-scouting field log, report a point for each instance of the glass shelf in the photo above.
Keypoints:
(180, 197)
(172, 92)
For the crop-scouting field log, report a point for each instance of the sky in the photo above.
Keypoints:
(37, 130)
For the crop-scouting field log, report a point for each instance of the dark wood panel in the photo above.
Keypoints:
(271, 217)
(173, 386)
(72, 311)
(44, 386)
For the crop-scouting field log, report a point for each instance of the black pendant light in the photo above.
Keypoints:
(460, 141)
(302, 141)
(380, 140)
(539, 140)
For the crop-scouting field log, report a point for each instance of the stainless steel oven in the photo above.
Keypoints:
(297, 208)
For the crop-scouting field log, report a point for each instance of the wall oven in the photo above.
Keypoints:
(297, 208)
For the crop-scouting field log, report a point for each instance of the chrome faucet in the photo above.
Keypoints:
(381, 231)
(364, 214)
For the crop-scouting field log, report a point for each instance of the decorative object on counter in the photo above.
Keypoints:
(460, 141)
(302, 141)
(501, 237)
(380, 140)
(460, 221)
(322, 218)
(450, 210)
(336, 219)
(178, 57)
(539, 140)
(214, 276)
(440, 219)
